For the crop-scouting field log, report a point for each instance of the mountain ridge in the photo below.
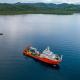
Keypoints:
(39, 8)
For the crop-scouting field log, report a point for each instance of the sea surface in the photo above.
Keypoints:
(60, 32)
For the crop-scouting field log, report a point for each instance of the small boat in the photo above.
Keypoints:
(1, 33)
(47, 56)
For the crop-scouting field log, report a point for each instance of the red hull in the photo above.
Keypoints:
(45, 60)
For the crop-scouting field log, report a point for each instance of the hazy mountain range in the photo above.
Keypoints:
(44, 8)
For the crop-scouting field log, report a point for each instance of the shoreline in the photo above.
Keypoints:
(31, 12)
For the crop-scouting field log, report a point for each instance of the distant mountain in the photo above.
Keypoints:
(44, 8)
(48, 5)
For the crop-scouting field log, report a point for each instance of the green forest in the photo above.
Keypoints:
(38, 8)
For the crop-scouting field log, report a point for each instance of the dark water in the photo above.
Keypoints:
(60, 32)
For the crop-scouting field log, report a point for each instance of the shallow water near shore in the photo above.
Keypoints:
(60, 32)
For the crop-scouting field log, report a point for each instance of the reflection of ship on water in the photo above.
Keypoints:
(53, 67)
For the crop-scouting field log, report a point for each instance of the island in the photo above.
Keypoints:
(38, 8)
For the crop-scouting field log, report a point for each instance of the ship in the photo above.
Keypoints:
(47, 56)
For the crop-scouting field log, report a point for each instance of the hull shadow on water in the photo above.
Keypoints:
(53, 67)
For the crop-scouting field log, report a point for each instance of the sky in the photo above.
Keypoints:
(45, 1)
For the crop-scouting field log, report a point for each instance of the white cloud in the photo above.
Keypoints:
(47, 1)
(53, 1)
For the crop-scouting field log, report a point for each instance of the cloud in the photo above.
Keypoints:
(46, 1)
(52, 1)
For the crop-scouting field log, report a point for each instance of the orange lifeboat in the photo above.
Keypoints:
(46, 56)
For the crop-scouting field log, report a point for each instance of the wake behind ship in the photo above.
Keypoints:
(46, 56)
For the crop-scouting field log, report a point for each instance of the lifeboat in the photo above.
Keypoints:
(46, 56)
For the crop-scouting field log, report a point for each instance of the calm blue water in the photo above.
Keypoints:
(60, 32)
